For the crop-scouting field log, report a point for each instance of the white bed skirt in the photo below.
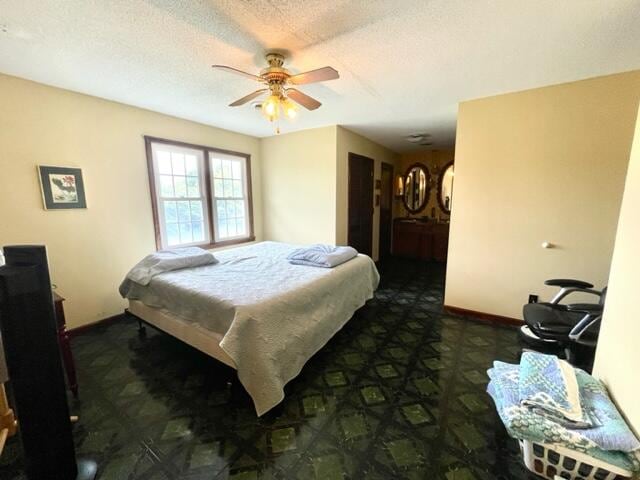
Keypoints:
(190, 333)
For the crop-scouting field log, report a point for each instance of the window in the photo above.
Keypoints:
(230, 206)
(201, 195)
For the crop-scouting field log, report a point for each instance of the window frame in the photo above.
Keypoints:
(207, 180)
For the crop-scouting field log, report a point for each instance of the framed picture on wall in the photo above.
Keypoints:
(62, 187)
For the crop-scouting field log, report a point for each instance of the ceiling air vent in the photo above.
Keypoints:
(419, 138)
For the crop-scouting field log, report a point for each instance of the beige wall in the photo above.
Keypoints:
(348, 141)
(618, 354)
(434, 160)
(540, 165)
(305, 184)
(90, 250)
(299, 187)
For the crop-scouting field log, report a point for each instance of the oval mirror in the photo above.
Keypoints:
(416, 188)
(445, 189)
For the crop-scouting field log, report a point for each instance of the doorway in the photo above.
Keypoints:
(386, 213)
(360, 230)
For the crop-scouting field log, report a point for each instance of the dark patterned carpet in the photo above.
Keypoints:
(398, 393)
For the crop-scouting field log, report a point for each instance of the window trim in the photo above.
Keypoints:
(149, 140)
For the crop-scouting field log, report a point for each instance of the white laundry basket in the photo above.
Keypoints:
(556, 462)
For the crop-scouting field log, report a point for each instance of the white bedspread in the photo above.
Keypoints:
(274, 315)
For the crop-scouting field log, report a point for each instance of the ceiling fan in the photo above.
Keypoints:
(277, 81)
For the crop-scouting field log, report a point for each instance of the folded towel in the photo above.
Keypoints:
(550, 384)
(319, 255)
(611, 441)
(168, 261)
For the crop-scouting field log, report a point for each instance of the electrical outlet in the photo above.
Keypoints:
(533, 298)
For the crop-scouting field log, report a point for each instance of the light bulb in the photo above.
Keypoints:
(290, 108)
(270, 107)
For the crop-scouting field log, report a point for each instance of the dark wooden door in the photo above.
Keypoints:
(386, 214)
(360, 203)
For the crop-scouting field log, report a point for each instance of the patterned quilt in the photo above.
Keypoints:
(610, 440)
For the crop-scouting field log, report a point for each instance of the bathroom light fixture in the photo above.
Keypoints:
(399, 186)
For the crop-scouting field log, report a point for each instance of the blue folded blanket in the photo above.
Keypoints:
(549, 384)
(319, 255)
(611, 441)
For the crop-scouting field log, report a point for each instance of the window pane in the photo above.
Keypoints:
(237, 170)
(193, 187)
(217, 167)
(218, 188)
(228, 188)
(231, 209)
(231, 228)
(198, 231)
(185, 233)
(177, 161)
(222, 228)
(237, 188)
(240, 226)
(226, 168)
(173, 234)
(180, 184)
(239, 208)
(221, 209)
(170, 212)
(191, 165)
(183, 212)
(164, 162)
(166, 186)
(196, 210)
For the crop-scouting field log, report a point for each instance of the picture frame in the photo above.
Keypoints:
(62, 187)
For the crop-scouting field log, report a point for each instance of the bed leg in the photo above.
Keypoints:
(142, 331)
(237, 393)
(276, 411)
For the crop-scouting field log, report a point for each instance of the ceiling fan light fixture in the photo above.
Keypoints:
(290, 108)
(271, 107)
(275, 80)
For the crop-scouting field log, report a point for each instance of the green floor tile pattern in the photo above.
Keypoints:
(416, 414)
(353, 426)
(398, 393)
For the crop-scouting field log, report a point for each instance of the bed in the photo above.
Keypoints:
(256, 312)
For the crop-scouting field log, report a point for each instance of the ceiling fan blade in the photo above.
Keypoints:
(319, 75)
(249, 97)
(303, 99)
(237, 72)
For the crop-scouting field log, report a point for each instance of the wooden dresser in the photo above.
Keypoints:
(423, 240)
(65, 346)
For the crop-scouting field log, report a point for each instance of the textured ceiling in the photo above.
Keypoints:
(404, 64)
